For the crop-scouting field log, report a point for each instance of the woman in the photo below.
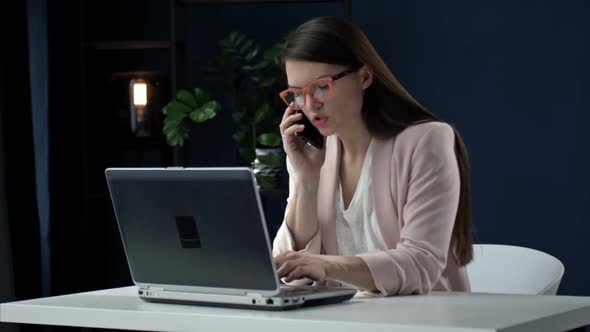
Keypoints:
(384, 206)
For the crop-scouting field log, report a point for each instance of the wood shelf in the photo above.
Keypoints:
(129, 45)
(140, 145)
(248, 2)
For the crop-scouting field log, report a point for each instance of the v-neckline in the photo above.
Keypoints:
(360, 182)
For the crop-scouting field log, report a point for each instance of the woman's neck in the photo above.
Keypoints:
(355, 142)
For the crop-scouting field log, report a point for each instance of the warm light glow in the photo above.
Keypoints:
(139, 94)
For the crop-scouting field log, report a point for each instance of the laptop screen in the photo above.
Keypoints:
(192, 227)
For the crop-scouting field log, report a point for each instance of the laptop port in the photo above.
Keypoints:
(286, 301)
(140, 292)
(269, 301)
(253, 301)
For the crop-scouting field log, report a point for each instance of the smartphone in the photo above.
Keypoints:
(310, 133)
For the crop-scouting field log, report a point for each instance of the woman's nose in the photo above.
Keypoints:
(312, 103)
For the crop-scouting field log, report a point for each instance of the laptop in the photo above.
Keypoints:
(198, 236)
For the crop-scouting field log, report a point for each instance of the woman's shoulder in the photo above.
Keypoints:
(419, 131)
(430, 134)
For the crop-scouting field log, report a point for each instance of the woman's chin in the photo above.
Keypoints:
(326, 131)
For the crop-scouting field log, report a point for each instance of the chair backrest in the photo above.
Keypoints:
(513, 270)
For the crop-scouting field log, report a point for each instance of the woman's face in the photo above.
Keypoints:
(341, 112)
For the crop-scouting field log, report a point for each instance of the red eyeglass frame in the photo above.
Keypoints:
(306, 89)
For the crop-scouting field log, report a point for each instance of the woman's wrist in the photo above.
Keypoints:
(351, 270)
(308, 185)
(340, 267)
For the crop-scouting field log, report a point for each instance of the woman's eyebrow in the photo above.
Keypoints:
(317, 78)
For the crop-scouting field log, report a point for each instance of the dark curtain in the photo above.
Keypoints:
(19, 222)
(6, 272)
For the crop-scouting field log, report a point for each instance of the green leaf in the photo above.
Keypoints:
(269, 139)
(201, 97)
(177, 136)
(229, 50)
(200, 115)
(232, 36)
(259, 66)
(205, 112)
(261, 113)
(246, 46)
(247, 154)
(225, 42)
(239, 40)
(265, 181)
(271, 53)
(273, 160)
(186, 97)
(170, 124)
(241, 137)
(251, 54)
(177, 106)
(247, 104)
(175, 111)
(269, 81)
(221, 60)
(240, 118)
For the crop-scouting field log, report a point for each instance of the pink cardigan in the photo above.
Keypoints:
(416, 192)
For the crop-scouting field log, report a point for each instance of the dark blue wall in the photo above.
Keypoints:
(514, 77)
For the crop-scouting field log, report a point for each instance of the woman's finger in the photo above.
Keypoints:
(280, 259)
(289, 121)
(288, 111)
(297, 273)
(286, 268)
(291, 131)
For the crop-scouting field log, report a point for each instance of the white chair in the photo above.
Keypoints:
(513, 270)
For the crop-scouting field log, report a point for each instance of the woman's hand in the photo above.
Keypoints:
(292, 265)
(306, 160)
(351, 270)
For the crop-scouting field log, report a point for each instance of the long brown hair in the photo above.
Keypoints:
(387, 108)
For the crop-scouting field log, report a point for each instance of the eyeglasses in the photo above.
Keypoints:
(320, 90)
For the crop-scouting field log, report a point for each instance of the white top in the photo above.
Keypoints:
(121, 308)
(357, 229)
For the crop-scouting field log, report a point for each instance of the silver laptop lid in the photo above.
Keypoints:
(193, 229)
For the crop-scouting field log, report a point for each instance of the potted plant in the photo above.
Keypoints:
(255, 77)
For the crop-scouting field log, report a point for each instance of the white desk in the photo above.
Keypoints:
(120, 308)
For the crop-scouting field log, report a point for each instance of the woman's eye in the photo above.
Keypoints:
(324, 87)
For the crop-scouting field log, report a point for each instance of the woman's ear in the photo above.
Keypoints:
(366, 76)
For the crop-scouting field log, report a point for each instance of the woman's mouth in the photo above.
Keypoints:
(320, 121)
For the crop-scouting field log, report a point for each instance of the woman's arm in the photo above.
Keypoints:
(420, 257)
(296, 232)
(350, 270)
(301, 215)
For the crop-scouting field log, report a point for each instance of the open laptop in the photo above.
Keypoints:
(198, 236)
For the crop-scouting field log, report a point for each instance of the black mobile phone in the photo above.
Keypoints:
(310, 134)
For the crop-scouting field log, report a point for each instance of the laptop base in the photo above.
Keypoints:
(264, 307)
